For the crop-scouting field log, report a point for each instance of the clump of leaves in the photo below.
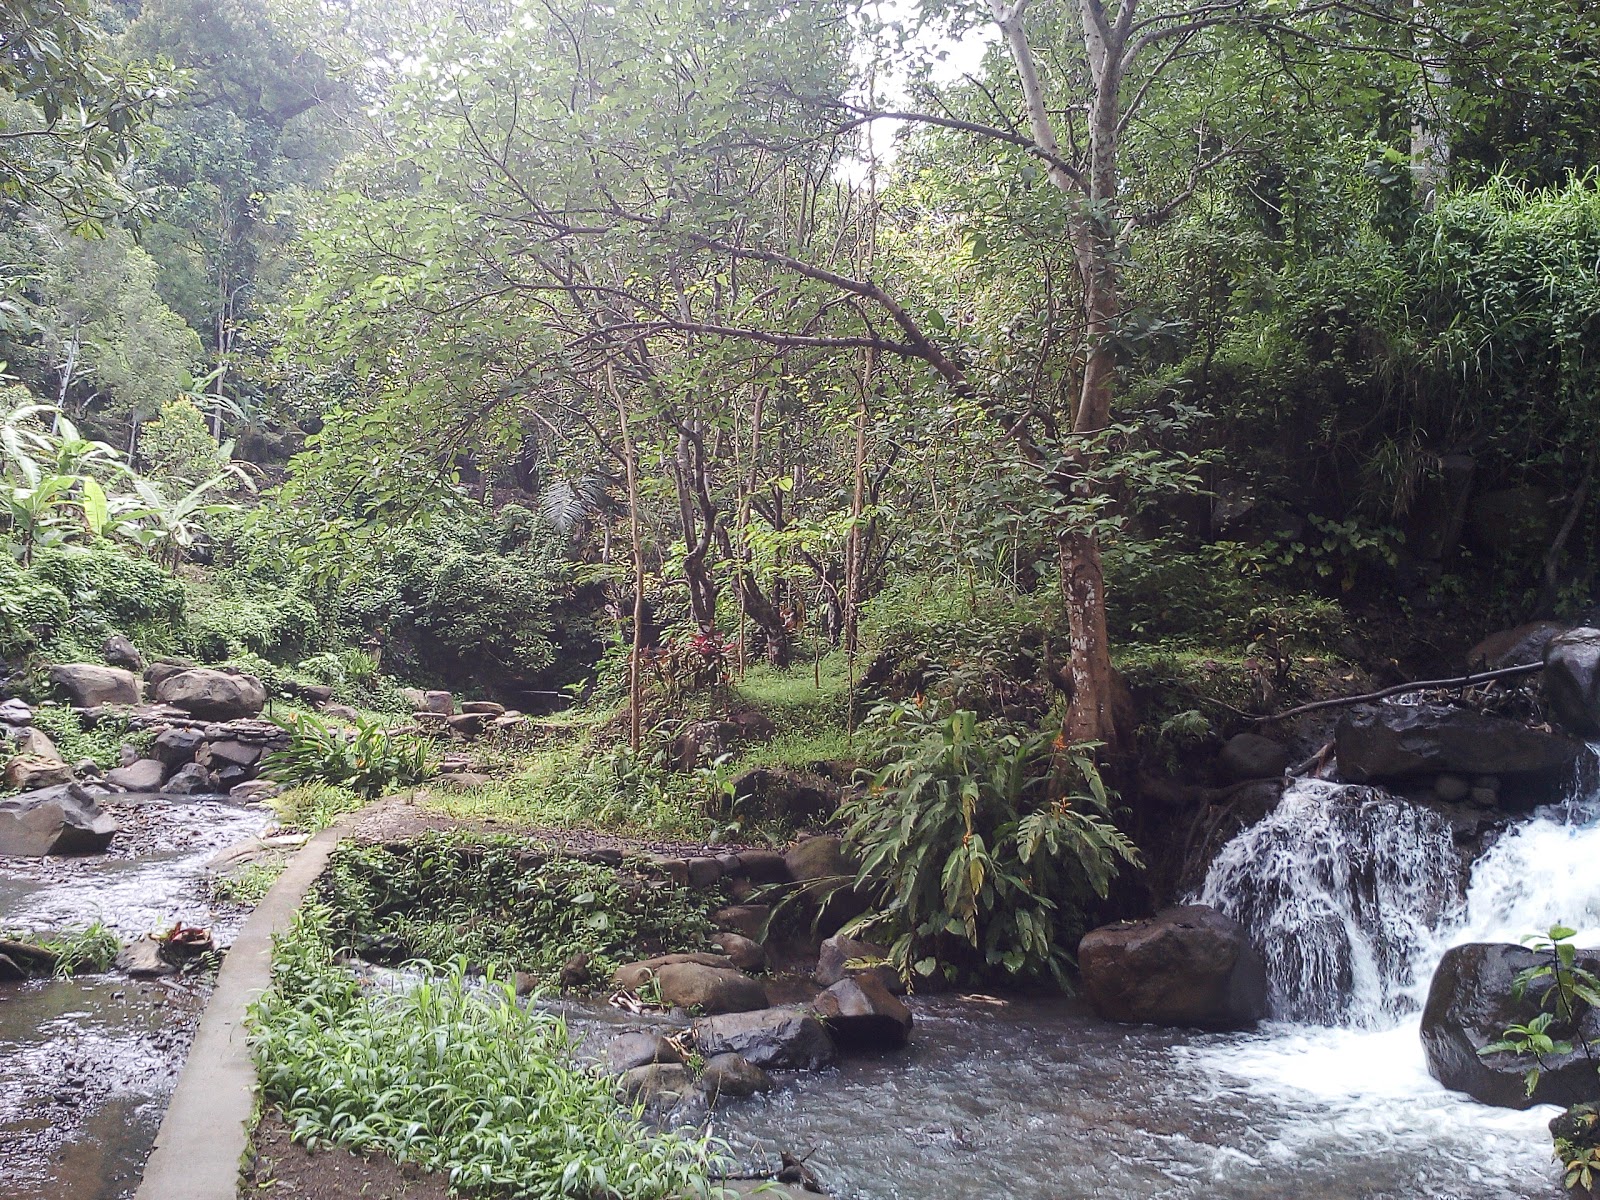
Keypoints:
(502, 904)
(976, 858)
(1567, 991)
(90, 949)
(248, 885)
(456, 1077)
(368, 762)
(314, 806)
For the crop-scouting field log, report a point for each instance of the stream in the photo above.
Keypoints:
(87, 1064)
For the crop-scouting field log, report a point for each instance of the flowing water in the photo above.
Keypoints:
(1354, 896)
(87, 1064)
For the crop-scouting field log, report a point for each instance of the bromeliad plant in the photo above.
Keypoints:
(976, 857)
(368, 761)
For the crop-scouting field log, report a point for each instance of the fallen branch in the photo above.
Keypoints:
(1399, 688)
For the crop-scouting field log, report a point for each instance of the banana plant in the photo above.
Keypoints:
(170, 527)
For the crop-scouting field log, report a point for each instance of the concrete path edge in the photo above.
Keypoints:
(205, 1133)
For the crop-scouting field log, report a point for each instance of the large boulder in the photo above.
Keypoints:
(1251, 756)
(15, 712)
(213, 695)
(772, 1038)
(862, 1014)
(837, 953)
(731, 1076)
(57, 820)
(141, 775)
(1572, 680)
(89, 685)
(177, 746)
(709, 989)
(30, 773)
(639, 1049)
(120, 652)
(1185, 966)
(1399, 741)
(815, 858)
(1470, 1005)
(1519, 647)
(636, 975)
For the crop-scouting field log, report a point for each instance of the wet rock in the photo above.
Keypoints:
(27, 773)
(1186, 966)
(1451, 788)
(782, 794)
(1398, 741)
(177, 746)
(143, 959)
(1517, 647)
(838, 951)
(254, 791)
(629, 1051)
(26, 960)
(861, 1014)
(89, 685)
(635, 975)
(648, 1082)
(1572, 680)
(142, 775)
(213, 695)
(58, 820)
(1469, 1006)
(709, 989)
(15, 712)
(120, 652)
(742, 952)
(1251, 756)
(732, 1076)
(442, 703)
(191, 779)
(747, 920)
(773, 1038)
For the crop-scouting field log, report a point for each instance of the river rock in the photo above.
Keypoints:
(783, 794)
(1517, 647)
(837, 952)
(89, 685)
(1470, 1005)
(817, 858)
(164, 668)
(733, 1076)
(254, 791)
(635, 975)
(442, 703)
(1251, 756)
(213, 695)
(120, 652)
(15, 712)
(747, 920)
(761, 866)
(772, 1038)
(29, 773)
(630, 1050)
(143, 960)
(142, 775)
(1186, 966)
(483, 708)
(1572, 680)
(861, 1014)
(177, 746)
(1399, 741)
(191, 779)
(467, 725)
(57, 820)
(742, 952)
(709, 989)
(649, 1082)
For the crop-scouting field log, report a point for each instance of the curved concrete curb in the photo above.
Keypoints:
(203, 1136)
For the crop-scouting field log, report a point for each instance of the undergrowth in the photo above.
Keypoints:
(501, 904)
(457, 1077)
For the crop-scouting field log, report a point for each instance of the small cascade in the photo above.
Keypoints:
(1341, 888)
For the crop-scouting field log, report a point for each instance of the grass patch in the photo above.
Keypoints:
(312, 807)
(457, 1078)
(91, 949)
(248, 885)
(504, 905)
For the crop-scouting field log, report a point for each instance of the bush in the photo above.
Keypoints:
(103, 743)
(458, 1078)
(368, 763)
(977, 862)
(71, 599)
(502, 905)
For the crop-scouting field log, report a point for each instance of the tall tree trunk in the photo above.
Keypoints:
(630, 464)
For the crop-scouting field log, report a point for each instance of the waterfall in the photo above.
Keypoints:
(1352, 895)
(1341, 887)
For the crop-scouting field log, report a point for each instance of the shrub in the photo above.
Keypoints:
(503, 905)
(456, 1077)
(977, 859)
(71, 599)
(368, 762)
(103, 743)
